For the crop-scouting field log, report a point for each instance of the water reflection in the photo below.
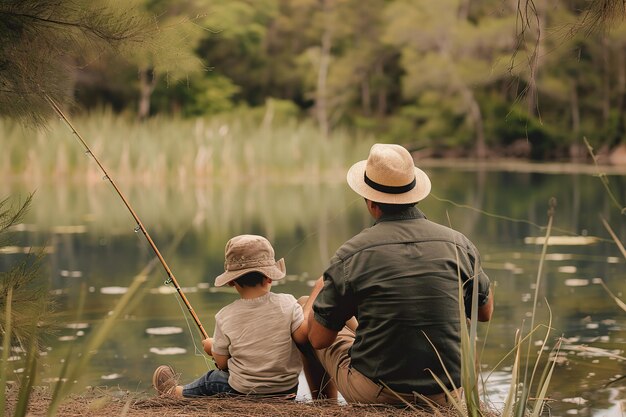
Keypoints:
(92, 244)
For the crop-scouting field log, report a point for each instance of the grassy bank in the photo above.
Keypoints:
(237, 147)
(110, 402)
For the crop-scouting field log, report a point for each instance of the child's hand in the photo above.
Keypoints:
(207, 344)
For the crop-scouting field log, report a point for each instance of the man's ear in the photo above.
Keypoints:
(373, 208)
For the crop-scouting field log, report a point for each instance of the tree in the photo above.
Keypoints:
(171, 53)
(41, 38)
(347, 64)
(449, 52)
(48, 45)
(241, 46)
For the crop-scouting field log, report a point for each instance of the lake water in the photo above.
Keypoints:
(91, 244)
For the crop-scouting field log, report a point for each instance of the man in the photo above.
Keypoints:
(400, 279)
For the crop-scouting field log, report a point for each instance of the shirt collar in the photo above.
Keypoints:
(408, 214)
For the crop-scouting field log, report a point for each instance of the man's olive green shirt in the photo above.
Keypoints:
(400, 278)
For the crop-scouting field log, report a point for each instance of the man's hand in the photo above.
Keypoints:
(207, 344)
(485, 311)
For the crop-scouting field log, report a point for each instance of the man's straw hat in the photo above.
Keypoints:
(389, 175)
(250, 253)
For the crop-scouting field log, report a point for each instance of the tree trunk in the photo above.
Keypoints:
(621, 78)
(575, 150)
(321, 93)
(381, 108)
(606, 82)
(535, 61)
(147, 83)
(575, 110)
(464, 7)
(477, 119)
(621, 89)
(366, 99)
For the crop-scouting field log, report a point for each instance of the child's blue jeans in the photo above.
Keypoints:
(212, 383)
(216, 382)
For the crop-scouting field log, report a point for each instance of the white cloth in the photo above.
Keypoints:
(256, 334)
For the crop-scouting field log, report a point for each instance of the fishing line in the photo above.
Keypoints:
(171, 278)
(496, 216)
(196, 351)
(511, 219)
(197, 220)
(148, 269)
(453, 203)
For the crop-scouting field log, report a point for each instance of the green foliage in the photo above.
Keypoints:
(40, 38)
(169, 49)
(510, 124)
(199, 95)
(433, 122)
(370, 65)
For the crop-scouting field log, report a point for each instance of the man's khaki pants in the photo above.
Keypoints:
(356, 387)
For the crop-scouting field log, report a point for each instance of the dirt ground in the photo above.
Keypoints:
(107, 402)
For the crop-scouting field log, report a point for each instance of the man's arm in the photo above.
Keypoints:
(486, 310)
(319, 336)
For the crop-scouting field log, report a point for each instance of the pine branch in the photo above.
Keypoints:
(41, 40)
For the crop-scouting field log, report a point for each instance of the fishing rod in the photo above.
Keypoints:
(171, 279)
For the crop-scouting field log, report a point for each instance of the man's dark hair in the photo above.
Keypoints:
(394, 208)
(251, 279)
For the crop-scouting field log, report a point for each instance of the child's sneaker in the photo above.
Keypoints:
(164, 380)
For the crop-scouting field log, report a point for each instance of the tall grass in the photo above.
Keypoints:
(25, 308)
(518, 402)
(235, 147)
(620, 246)
(25, 305)
(6, 347)
(76, 368)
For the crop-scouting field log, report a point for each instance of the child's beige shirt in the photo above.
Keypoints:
(256, 334)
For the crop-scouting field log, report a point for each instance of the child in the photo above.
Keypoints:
(253, 344)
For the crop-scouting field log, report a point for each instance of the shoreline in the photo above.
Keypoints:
(522, 166)
(92, 175)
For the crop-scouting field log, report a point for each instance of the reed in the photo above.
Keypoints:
(6, 347)
(620, 246)
(25, 305)
(236, 147)
(26, 308)
(518, 402)
(77, 366)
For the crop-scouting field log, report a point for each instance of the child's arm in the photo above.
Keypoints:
(221, 361)
(207, 344)
(300, 336)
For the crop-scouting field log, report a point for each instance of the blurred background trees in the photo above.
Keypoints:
(449, 78)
